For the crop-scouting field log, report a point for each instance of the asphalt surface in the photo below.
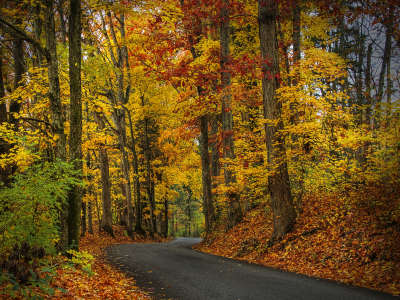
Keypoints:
(173, 270)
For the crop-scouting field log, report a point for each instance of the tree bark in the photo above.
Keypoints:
(19, 68)
(83, 219)
(90, 214)
(284, 213)
(138, 206)
(5, 172)
(165, 218)
(63, 26)
(37, 29)
(294, 105)
(75, 129)
(106, 223)
(150, 189)
(368, 87)
(234, 209)
(206, 176)
(215, 164)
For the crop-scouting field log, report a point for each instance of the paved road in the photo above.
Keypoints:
(173, 270)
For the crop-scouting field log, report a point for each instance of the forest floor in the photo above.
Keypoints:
(352, 242)
(106, 282)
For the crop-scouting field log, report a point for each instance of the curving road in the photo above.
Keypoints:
(173, 270)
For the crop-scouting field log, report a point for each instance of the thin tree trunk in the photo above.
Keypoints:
(285, 52)
(284, 213)
(385, 63)
(5, 171)
(234, 209)
(296, 34)
(138, 207)
(90, 214)
(215, 164)
(294, 105)
(153, 227)
(37, 29)
(173, 224)
(367, 120)
(19, 68)
(368, 87)
(63, 26)
(98, 213)
(83, 219)
(105, 182)
(165, 218)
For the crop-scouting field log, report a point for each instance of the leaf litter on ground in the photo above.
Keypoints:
(106, 281)
(352, 242)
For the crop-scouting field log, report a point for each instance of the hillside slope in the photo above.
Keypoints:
(354, 243)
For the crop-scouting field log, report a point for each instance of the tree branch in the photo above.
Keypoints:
(27, 38)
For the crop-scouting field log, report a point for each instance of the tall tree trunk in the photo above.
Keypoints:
(285, 52)
(83, 219)
(367, 119)
(124, 220)
(165, 217)
(215, 164)
(98, 213)
(60, 10)
(173, 224)
(294, 105)
(90, 214)
(106, 223)
(296, 34)
(206, 176)
(5, 172)
(138, 206)
(284, 213)
(234, 209)
(385, 61)
(75, 129)
(368, 87)
(19, 68)
(56, 110)
(37, 29)
(153, 227)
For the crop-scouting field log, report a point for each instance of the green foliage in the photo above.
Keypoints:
(82, 259)
(34, 281)
(22, 268)
(29, 207)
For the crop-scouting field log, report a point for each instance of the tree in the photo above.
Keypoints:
(75, 135)
(234, 209)
(106, 222)
(278, 178)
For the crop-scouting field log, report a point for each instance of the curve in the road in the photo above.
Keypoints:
(173, 270)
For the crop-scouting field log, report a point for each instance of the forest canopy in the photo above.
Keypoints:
(170, 116)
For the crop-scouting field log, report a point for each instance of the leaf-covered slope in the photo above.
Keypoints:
(351, 242)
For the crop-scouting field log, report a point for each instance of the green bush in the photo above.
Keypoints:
(29, 208)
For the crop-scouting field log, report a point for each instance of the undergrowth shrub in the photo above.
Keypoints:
(29, 208)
